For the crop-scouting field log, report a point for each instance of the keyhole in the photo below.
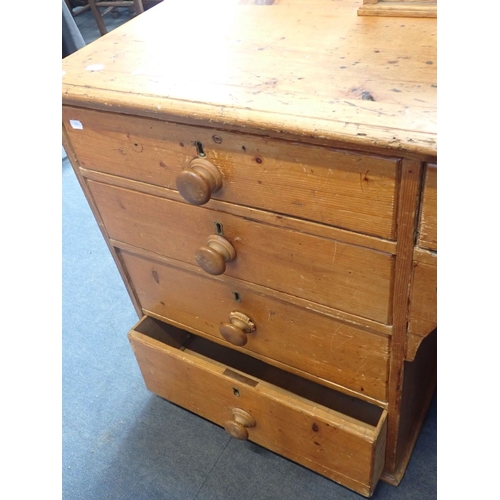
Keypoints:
(219, 229)
(199, 149)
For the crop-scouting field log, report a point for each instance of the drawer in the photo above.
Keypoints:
(344, 189)
(333, 434)
(301, 339)
(423, 299)
(346, 277)
(428, 215)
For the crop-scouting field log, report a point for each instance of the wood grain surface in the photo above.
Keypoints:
(407, 221)
(399, 8)
(369, 81)
(346, 277)
(428, 218)
(423, 300)
(339, 188)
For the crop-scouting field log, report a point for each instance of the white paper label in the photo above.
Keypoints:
(77, 124)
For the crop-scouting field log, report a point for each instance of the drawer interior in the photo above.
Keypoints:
(251, 371)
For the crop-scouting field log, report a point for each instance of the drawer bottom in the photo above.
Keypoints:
(336, 435)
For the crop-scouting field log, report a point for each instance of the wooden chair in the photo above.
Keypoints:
(95, 4)
(78, 9)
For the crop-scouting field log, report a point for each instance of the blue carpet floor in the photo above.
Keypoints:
(121, 442)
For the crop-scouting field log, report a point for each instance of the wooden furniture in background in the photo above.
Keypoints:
(399, 8)
(78, 9)
(112, 4)
(268, 192)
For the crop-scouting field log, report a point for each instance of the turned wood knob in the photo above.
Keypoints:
(237, 427)
(212, 258)
(198, 181)
(236, 331)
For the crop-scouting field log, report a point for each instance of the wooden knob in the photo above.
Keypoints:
(237, 427)
(212, 258)
(236, 331)
(198, 181)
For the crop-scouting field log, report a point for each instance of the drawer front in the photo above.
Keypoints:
(428, 216)
(337, 436)
(347, 190)
(423, 301)
(310, 342)
(346, 277)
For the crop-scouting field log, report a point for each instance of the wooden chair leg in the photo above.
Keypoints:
(98, 17)
(139, 8)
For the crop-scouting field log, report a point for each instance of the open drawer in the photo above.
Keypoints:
(336, 435)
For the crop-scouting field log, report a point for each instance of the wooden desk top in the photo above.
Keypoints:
(313, 69)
